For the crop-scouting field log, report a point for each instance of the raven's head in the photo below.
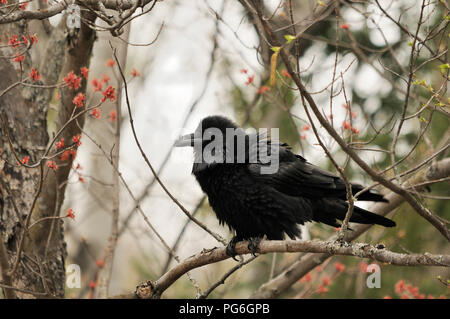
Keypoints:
(216, 140)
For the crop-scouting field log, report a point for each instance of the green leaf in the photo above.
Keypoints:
(289, 38)
(444, 67)
(275, 49)
(420, 82)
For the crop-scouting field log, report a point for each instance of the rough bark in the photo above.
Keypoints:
(37, 191)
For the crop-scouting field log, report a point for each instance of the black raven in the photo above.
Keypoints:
(253, 202)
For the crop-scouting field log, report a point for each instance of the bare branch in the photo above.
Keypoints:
(329, 248)
(58, 7)
(308, 262)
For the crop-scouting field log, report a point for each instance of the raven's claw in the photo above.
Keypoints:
(231, 248)
(253, 244)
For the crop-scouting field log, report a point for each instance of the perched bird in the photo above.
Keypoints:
(255, 202)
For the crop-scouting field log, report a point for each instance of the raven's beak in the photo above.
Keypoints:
(185, 140)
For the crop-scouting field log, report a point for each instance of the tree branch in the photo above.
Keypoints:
(304, 265)
(425, 213)
(60, 6)
(361, 250)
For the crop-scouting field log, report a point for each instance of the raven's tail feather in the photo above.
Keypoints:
(363, 216)
(373, 197)
(369, 195)
(328, 211)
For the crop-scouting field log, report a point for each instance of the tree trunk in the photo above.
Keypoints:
(28, 194)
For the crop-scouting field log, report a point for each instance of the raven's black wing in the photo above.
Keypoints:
(296, 177)
(326, 192)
